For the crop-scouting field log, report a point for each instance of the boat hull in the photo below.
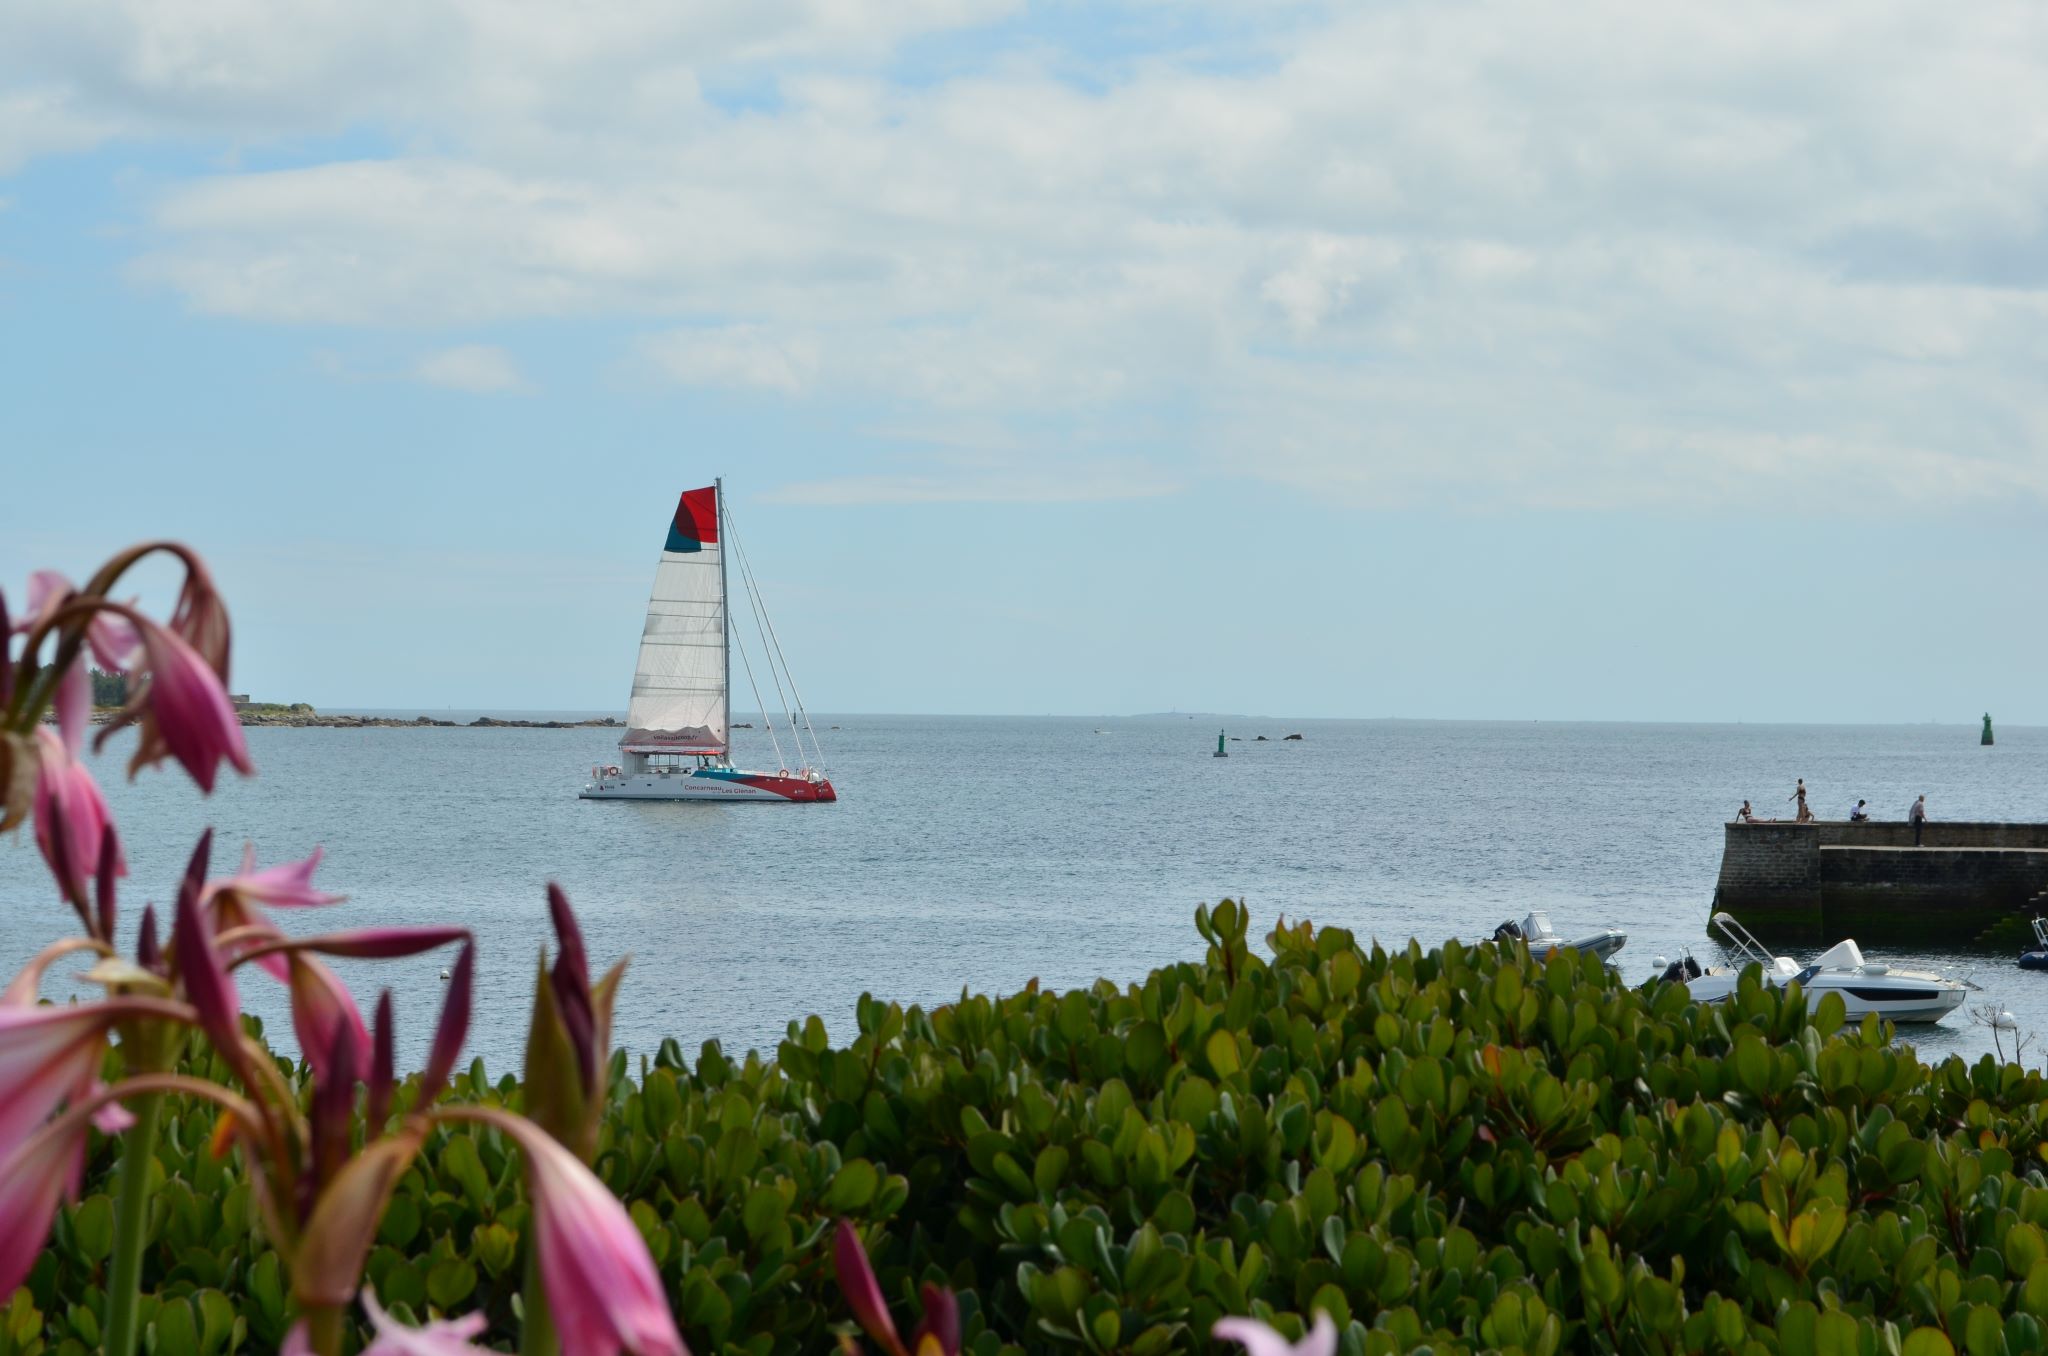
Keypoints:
(709, 783)
(1602, 944)
(1928, 1001)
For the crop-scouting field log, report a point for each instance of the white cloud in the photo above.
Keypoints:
(469, 367)
(744, 356)
(1490, 251)
(1006, 481)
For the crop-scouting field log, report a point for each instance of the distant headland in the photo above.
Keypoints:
(300, 716)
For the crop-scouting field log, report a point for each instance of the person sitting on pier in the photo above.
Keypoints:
(1859, 815)
(1917, 816)
(1744, 814)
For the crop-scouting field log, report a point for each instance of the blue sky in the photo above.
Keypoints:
(1457, 360)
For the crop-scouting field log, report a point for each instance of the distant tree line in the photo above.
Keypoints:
(109, 689)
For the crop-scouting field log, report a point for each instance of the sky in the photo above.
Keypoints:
(1498, 359)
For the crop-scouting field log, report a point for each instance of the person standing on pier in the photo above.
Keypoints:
(1917, 816)
(1799, 794)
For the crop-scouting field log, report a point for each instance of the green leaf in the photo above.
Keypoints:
(853, 1186)
(175, 1331)
(450, 1283)
(92, 1225)
(1927, 1342)
(1221, 1049)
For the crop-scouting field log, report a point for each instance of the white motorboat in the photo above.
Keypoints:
(1544, 939)
(1866, 986)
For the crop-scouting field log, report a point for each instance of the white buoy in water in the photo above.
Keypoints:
(444, 974)
(2005, 1021)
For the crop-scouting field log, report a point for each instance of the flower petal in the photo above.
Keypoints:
(34, 1178)
(863, 1292)
(444, 1337)
(206, 981)
(452, 1030)
(46, 1054)
(1256, 1337)
(941, 1323)
(604, 1292)
(189, 711)
(72, 821)
(288, 885)
(324, 1012)
(337, 1237)
(74, 705)
(382, 1060)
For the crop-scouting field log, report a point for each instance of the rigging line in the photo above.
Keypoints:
(777, 654)
(776, 641)
(748, 665)
(766, 629)
(754, 602)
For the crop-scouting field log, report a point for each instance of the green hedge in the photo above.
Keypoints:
(1455, 1148)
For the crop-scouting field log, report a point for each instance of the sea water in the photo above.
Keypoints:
(985, 852)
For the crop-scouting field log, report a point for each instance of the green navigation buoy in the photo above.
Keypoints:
(1986, 740)
(1221, 752)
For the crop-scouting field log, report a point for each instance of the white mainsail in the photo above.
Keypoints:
(680, 703)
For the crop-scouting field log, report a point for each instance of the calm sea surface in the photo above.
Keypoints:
(985, 851)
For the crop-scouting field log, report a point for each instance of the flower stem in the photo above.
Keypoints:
(537, 1333)
(131, 1220)
(325, 1328)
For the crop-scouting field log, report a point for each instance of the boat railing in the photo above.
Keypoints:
(1745, 945)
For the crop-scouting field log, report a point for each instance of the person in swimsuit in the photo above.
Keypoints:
(1744, 814)
(1799, 794)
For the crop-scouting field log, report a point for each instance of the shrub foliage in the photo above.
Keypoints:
(1459, 1149)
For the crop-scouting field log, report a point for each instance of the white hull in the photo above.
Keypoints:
(1929, 999)
(1602, 944)
(722, 784)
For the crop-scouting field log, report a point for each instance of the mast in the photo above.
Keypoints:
(724, 607)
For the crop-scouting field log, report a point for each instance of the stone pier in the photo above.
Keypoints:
(1831, 879)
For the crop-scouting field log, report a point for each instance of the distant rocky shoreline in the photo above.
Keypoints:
(309, 719)
(315, 721)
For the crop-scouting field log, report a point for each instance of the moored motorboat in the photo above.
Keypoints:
(1544, 939)
(2037, 959)
(1865, 986)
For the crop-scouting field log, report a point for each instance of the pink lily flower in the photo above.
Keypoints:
(1260, 1340)
(603, 1290)
(863, 1292)
(324, 1013)
(289, 885)
(937, 1334)
(323, 1010)
(115, 643)
(187, 715)
(206, 981)
(71, 819)
(442, 1337)
(569, 1045)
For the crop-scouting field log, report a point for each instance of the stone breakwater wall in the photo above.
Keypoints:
(1832, 879)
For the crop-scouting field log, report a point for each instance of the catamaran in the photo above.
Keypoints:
(677, 741)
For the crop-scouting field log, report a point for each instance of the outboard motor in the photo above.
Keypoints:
(1509, 931)
(1681, 970)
